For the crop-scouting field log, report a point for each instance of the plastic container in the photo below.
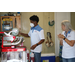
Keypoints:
(48, 57)
(12, 54)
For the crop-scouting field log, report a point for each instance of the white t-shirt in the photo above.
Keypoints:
(68, 51)
(36, 34)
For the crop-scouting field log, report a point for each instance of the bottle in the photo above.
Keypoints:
(8, 56)
(27, 55)
(18, 12)
(9, 14)
(20, 55)
(32, 56)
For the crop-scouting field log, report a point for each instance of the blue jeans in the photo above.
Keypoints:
(37, 57)
(68, 60)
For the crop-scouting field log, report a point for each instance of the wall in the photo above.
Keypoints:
(73, 19)
(59, 17)
(48, 16)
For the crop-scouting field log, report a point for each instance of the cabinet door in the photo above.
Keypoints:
(18, 23)
(6, 24)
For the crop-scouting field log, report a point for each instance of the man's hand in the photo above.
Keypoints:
(40, 42)
(33, 47)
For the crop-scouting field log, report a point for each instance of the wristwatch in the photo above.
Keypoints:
(64, 38)
(37, 44)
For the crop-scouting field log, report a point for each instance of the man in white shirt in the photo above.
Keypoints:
(36, 34)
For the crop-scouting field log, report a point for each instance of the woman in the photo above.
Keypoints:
(67, 40)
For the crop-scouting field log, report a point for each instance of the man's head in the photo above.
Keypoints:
(34, 20)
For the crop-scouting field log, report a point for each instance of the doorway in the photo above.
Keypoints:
(73, 19)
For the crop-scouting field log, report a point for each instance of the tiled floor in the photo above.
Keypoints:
(57, 59)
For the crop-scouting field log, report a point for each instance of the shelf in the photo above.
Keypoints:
(7, 24)
(10, 16)
(7, 31)
(16, 22)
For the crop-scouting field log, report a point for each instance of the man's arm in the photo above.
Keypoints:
(40, 42)
(26, 35)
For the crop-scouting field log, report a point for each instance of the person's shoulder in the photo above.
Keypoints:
(72, 31)
(39, 28)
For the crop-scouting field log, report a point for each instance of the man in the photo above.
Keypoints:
(36, 34)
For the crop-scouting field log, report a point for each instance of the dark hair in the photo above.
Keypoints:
(34, 18)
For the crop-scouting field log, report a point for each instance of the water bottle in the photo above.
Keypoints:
(8, 56)
(27, 55)
(32, 56)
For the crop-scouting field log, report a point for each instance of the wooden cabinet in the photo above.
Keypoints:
(10, 22)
